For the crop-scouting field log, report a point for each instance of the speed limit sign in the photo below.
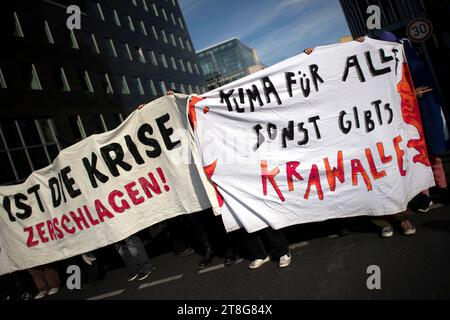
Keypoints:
(419, 30)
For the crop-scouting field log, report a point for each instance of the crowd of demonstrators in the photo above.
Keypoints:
(204, 233)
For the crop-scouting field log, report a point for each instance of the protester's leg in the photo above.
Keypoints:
(52, 277)
(386, 229)
(438, 172)
(277, 242)
(255, 246)
(132, 267)
(402, 220)
(39, 279)
(198, 227)
(178, 238)
(137, 251)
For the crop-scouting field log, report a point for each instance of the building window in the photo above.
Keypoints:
(182, 65)
(123, 85)
(172, 39)
(188, 46)
(155, 33)
(189, 67)
(61, 80)
(163, 60)
(73, 40)
(86, 82)
(138, 85)
(116, 18)
(164, 36)
(110, 48)
(144, 4)
(153, 58)
(134, 3)
(155, 10)
(164, 14)
(127, 49)
(107, 87)
(94, 46)
(143, 30)
(17, 27)
(173, 3)
(174, 65)
(34, 83)
(173, 19)
(26, 145)
(190, 89)
(163, 87)
(130, 22)
(48, 33)
(182, 88)
(180, 23)
(2, 80)
(197, 89)
(100, 12)
(140, 54)
(196, 69)
(152, 87)
(181, 42)
(172, 86)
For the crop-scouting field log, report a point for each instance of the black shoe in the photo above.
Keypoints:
(422, 203)
(344, 232)
(230, 260)
(208, 258)
(143, 275)
(185, 253)
(132, 276)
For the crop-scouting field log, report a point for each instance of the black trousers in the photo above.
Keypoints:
(267, 242)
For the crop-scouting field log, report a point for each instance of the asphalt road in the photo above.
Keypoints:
(323, 267)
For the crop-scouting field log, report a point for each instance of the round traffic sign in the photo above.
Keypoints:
(419, 30)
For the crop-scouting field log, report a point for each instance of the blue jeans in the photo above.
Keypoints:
(134, 255)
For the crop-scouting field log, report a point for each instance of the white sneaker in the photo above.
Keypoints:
(53, 291)
(285, 261)
(258, 263)
(41, 294)
(89, 258)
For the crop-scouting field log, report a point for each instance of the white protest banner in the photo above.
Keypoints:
(103, 189)
(333, 134)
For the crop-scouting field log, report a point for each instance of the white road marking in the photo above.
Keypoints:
(298, 245)
(217, 267)
(155, 283)
(107, 295)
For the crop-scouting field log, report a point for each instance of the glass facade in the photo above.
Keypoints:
(226, 62)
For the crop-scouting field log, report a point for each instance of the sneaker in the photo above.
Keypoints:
(185, 253)
(230, 259)
(258, 263)
(285, 261)
(407, 228)
(424, 203)
(89, 258)
(387, 232)
(41, 294)
(53, 291)
(132, 276)
(143, 275)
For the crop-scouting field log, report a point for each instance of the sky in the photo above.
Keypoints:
(277, 29)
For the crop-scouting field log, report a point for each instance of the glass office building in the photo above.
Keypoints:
(59, 86)
(226, 62)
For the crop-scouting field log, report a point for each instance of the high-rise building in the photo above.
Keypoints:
(58, 86)
(227, 61)
(395, 17)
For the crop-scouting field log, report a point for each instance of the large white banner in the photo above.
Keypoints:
(333, 134)
(103, 189)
